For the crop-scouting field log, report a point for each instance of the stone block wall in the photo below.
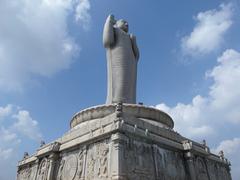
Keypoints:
(121, 157)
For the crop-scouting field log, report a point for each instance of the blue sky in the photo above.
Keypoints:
(52, 64)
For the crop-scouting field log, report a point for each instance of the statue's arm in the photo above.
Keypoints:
(134, 46)
(108, 31)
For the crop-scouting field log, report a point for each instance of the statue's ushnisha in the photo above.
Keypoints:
(122, 58)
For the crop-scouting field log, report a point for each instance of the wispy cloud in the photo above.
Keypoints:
(5, 111)
(82, 13)
(35, 39)
(209, 31)
(27, 126)
(5, 153)
(8, 142)
(16, 126)
(231, 149)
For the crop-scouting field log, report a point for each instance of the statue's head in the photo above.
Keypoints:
(122, 24)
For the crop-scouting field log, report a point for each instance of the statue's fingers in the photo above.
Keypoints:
(111, 16)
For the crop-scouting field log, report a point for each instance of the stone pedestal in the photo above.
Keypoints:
(123, 142)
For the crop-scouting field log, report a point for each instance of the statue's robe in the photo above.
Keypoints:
(122, 66)
(122, 69)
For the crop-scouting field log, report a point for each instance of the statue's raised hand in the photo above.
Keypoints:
(111, 19)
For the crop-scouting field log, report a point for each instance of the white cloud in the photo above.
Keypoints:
(82, 14)
(15, 125)
(209, 30)
(190, 119)
(27, 126)
(222, 104)
(5, 111)
(231, 149)
(216, 112)
(5, 153)
(225, 92)
(229, 146)
(7, 136)
(35, 39)
(8, 142)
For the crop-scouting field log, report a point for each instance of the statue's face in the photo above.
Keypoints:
(122, 24)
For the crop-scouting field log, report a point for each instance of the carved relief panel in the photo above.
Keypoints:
(201, 169)
(168, 164)
(81, 163)
(43, 169)
(24, 174)
(27, 173)
(139, 161)
(213, 170)
(72, 165)
(33, 172)
(223, 173)
(97, 161)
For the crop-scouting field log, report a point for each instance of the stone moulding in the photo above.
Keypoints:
(135, 110)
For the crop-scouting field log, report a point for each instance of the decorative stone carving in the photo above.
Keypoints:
(169, 165)
(187, 145)
(213, 170)
(60, 169)
(119, 109)
(70, 167)
(25, 155)
(90, 166)
(33, 172)
(43, 169)
(201, 169)
(223, 173)
(139, 158)
(159, 162)
(42, 143)
(97, 161)
(24, 174)
(135, 110)
(81, 162)
(103, 160)
(54, 146)
(204, 142)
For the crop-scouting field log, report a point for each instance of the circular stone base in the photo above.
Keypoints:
(135, 110)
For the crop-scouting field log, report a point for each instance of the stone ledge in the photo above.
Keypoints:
(27, 160)
(91, 131)
(134, 110)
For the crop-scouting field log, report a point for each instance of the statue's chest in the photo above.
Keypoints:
(122, 39)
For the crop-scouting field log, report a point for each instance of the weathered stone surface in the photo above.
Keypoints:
(119, 146)
(43, 168)
(169, 164)
(70, 165)
(27, 173)
(152, 115)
